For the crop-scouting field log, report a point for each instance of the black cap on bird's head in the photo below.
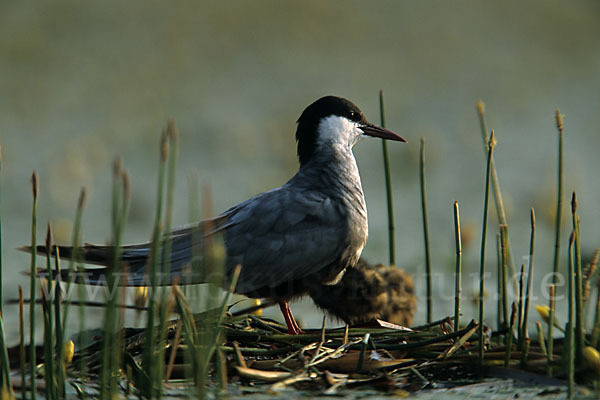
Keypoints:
(307, 133)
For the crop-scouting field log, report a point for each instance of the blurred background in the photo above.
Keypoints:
(83, 83)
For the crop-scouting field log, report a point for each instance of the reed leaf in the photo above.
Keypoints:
(579, 324)
(4, 379)
(22, 344)
(509, 339)
(458, 276)
(571, 325)
(541, 339)
(153, 262)
(551, 292)
(5, 369)
(172, 136)
(49, 337)
(491, 144)
(520, 305)
(388, 186)
(426, 232)
(529, 287)
(111, 354)
(504, 250)
(559, 197)
(32, 285)
(501, 214)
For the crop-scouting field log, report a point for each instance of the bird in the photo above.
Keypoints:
(302, 234)
(367, 292)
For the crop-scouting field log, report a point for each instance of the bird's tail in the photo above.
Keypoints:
(135, 268)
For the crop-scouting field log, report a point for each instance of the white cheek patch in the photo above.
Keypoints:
(338, 130)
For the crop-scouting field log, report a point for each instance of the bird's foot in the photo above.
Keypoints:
(295, 329)
(292, 325)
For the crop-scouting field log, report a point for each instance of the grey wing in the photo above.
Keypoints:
(284, 235)
(277, 237)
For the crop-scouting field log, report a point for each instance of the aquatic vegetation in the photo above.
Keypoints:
(179, 351)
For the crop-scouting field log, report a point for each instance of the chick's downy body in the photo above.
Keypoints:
(367, 292)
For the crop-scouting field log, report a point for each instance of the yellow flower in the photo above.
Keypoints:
(68, 351)
(544, 312)
(592, 357)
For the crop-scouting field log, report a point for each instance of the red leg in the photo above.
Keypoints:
(292, 325)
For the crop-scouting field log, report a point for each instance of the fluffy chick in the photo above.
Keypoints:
(368, 292)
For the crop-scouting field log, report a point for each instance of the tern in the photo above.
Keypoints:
(288, 240)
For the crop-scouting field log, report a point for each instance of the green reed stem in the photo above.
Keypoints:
(524, 341)
(49, 320)
(166, 257)
(486, 202)
(149, 361)
(116, 190)
(32, 285)
(540, 332)
(195, 214)
(75, 242)
(571, 324)
(46, 343)
(1, 267)
(509, 339)
(172, 167)
(22, 344)
(191, 333)
(58, 331)
(73, 262)
(525, 352)
(579, 323)
(388, 186)
(559, 197)
(221, 367)
(5, 382)
(499, 303)
(529, 287)
(120, 268)
(81, 336)
(418, 327)
(504, 243)
(210, 341)
(194, 197)
(520, 305)
(108, 340)
(495, 184)
(425, 231)
(57, 297)
(551, 291)
(458, 276)
(5, 372)
(111, 353)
